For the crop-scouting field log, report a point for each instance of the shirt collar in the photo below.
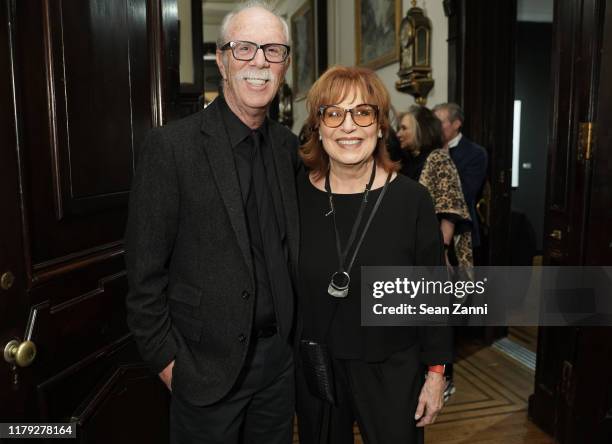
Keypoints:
(454, 141)
(236, 128)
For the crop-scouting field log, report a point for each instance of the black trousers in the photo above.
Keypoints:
(258, 410)
(381, 397)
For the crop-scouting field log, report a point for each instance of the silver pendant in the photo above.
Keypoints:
(339, 285)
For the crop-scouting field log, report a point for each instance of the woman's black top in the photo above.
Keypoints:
(404, 231)
(412, 166)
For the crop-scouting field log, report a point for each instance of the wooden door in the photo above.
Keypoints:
(570, 401)
(80, 85)
(481, 80)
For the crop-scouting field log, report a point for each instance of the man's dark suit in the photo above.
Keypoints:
(471, 162)
(189, 262)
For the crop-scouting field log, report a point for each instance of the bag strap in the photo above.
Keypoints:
(363, 233)
(369, 221)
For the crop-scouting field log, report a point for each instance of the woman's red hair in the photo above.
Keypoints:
(333, 87)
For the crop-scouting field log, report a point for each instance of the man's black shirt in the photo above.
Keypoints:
(263, 214)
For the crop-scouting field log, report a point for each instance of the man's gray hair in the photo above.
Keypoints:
(454, 111)
(264, 4)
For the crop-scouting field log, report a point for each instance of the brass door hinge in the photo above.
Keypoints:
(586, 136)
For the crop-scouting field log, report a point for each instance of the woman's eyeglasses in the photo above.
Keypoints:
(363, 115)
(246, 51)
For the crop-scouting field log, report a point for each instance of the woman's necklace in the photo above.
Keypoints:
(340, 280)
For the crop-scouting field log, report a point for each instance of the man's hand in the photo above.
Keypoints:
(431, 399)
(166, 375)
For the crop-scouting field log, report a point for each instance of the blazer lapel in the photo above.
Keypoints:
(221, 158)
(286, 181)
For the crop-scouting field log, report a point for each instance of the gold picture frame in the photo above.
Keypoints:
(377, 24)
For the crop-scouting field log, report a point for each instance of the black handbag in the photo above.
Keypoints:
(318, 370)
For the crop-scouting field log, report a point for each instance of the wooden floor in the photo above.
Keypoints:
(525, 336)
(490, 405)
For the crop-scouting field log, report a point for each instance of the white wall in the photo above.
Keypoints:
(341, 50)
(210, 32)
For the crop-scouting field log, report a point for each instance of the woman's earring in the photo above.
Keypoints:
(379, 133)
(320, 136)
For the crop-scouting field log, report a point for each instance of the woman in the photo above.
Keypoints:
(420, 134)
(378, 371)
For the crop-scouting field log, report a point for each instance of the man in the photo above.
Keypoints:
(212, 242)
(469, 157)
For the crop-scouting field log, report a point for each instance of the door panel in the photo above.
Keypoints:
(568, 401)
(79, 157)
(12, 260)
(86, 77)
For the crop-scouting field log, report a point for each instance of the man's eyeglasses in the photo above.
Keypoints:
(363, 115)
(246, 51)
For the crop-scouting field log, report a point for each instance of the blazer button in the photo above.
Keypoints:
(245, 295)
(241, 337)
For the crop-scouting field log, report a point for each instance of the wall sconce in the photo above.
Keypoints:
(415, 55)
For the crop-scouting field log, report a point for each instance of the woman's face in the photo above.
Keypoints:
(406, 133)
(349, 144)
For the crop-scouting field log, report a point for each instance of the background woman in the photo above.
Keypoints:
(378, 371)
(420, 134)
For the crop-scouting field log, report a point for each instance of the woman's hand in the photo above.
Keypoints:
(431, 399)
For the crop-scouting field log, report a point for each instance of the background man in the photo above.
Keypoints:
(212, 242)
(469, 157)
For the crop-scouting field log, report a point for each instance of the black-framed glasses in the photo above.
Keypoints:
(363, 115)
(246, 51)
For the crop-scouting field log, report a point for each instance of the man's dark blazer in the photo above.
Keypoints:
(189, 262)
(471, 162)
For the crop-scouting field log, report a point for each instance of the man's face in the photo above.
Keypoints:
(449, 129)
(251, 86)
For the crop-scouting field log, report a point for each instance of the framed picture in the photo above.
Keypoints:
(377, 32)
(303, 54)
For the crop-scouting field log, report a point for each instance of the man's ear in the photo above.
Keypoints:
(456, 124)
(220, 64)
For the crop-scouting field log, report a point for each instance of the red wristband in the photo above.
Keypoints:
(436, 369)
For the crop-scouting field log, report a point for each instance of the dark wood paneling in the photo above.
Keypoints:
(481, 80)
(599, 235)
(97, 91)
(575, 67)
(119, 402)
(568, 400)
(87, 80)
(92, 99)
(13, 257)
(594, 413)
(456, 46)
(86, 311)
(166, 11)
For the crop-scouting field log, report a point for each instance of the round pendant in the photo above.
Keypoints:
(339, 285)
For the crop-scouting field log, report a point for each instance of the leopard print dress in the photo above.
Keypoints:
(441, 178)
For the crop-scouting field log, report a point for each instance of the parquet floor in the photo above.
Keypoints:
(490, 405)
